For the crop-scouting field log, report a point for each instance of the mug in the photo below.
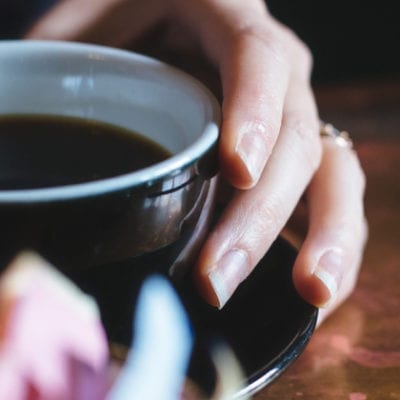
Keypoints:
(107, 234)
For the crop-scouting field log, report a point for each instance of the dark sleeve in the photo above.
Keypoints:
(16, 16)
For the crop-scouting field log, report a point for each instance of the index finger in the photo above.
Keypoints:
(254, 68)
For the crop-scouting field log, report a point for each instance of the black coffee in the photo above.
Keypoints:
(44, 151)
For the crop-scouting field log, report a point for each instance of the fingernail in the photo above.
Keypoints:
(228, 273)
(330, 271)
(252, 150)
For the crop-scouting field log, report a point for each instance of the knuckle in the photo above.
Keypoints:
(268, 38)
(267, 129)
(304, 58)
(252, 233)
(300, 52)
(267, 219)
(272, 214)
(305, 140)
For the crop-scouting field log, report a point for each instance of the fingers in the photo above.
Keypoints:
(109, 22)
(326, 268)
(254, 218)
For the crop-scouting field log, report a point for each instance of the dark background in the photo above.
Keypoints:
(350, 40)
(17, 15)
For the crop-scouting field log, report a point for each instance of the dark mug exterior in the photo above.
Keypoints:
(108, 234)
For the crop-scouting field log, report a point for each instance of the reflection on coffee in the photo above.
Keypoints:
(43, 151)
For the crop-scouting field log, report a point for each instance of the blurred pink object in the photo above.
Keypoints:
(52, 344)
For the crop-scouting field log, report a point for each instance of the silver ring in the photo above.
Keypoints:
(341, 138)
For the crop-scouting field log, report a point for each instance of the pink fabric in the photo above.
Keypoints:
(52, 344)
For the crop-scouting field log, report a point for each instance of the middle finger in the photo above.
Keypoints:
(254, 218)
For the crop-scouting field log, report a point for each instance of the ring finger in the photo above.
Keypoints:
(327, 264)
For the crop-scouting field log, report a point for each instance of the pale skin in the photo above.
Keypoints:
(270, 149)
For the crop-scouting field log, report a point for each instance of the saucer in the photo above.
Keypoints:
(266, 323)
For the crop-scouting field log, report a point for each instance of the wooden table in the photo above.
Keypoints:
(355, 354)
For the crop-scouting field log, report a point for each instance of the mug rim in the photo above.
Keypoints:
(145, 177)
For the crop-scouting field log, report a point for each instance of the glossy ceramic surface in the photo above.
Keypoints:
(120, 218)
(266, 323)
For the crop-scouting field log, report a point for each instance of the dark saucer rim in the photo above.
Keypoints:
(299, 335)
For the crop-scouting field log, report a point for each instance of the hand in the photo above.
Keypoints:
(270, 148)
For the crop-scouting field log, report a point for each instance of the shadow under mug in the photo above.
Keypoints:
(106, 235)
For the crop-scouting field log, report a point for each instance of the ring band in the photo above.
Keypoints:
(341, 138)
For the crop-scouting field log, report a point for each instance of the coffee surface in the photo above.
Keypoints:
(38, 151)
